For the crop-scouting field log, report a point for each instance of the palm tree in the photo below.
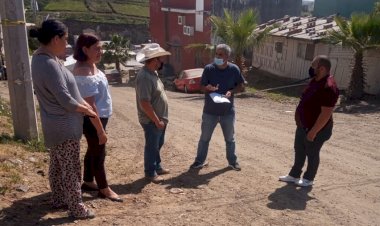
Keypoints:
(377, 8)
(240, 33)
(200, 49)
(116, 51)
(360, 34)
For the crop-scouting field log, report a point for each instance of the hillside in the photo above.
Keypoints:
(129, 18)
(98, 11)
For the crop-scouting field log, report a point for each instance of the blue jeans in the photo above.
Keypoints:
(154, 139)
(209, 122)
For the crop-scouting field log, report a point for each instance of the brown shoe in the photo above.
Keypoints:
(103, 196)
(162, 171)
(155, 179)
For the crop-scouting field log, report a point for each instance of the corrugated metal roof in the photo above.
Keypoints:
(308, 28)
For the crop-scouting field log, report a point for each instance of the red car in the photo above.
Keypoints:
(189, 80)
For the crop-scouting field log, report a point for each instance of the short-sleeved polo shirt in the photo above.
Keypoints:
(322, 93)
(150, 88)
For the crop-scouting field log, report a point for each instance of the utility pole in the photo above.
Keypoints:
(18, 69)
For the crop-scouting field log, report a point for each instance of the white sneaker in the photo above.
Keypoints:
(304, 182)
(288, 178)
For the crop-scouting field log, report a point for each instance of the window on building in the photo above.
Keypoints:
(278, 47)
(181, 20)
(305, 51)
(309, 55)
(301, 50)
(188, 30)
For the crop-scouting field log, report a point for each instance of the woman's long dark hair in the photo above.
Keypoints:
(84, 40)
(48, 30)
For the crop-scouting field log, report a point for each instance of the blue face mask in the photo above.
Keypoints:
(218, 61)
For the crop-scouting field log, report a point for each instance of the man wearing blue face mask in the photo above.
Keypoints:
(220, 78)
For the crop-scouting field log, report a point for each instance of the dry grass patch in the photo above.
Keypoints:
(10, 166)
(17, 158)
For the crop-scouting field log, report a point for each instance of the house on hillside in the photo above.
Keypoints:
(342, 7)
(291, 47)
(307, 6)
(175, 24)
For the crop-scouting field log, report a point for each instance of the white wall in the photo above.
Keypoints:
(199, 8)
(372, 61)
(288, 64)
(285, 64)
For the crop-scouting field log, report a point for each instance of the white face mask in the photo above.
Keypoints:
(218, 61)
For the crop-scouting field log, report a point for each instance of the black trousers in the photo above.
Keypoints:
(95, 155)
(304, 148)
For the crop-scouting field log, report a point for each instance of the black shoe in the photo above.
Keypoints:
(85, 187)
(103, 196)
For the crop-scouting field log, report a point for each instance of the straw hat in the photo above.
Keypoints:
(150, 51)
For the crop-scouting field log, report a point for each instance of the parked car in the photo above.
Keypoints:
(189, 80)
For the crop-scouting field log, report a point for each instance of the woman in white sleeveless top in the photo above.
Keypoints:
(93, 86)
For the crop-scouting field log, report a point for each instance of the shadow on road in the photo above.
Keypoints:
(132, 188)
(188, 179)
(289, 197)
(192, 178)
(30, 211)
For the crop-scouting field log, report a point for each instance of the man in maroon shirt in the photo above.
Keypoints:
(314, 122)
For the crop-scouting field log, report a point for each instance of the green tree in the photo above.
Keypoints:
(360, 34)
(200, 49)
(240, 33)
(116, 51)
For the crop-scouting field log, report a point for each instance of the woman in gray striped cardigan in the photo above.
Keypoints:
(62, 109)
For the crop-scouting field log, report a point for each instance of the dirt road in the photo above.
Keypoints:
(346, 190)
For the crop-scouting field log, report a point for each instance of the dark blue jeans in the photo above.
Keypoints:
(304, 148)
(209, 122)
(154, 139)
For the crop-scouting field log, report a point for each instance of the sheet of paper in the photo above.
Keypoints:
(219, 98)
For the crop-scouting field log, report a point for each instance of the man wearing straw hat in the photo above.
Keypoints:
(152, 108)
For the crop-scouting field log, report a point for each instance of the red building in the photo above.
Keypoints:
(175, 24)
